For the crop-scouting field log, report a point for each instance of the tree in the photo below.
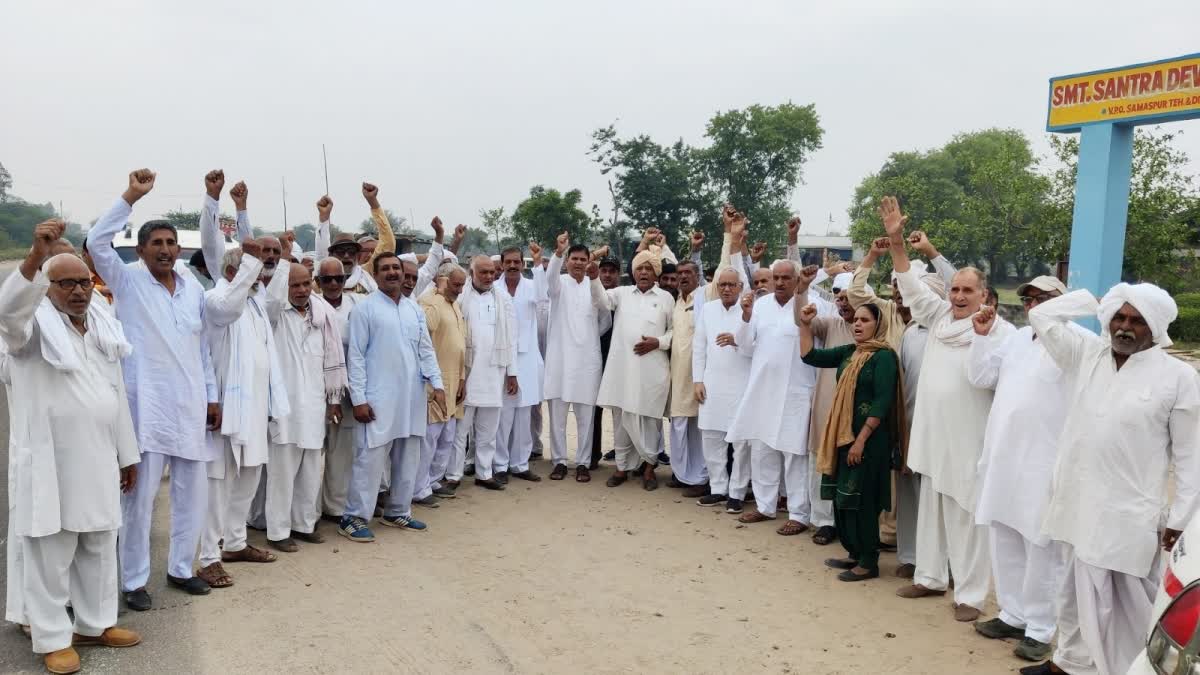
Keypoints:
(476, 242)
(497, 225)
(399, 225)
(5, 183)
(184, 220)
(18, 218)
(546, 213)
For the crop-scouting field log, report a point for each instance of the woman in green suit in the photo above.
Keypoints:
(855, 455)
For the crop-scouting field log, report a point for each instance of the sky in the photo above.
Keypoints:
(452, 107)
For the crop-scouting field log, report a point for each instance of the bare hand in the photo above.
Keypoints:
(535, 253)
(251, 247)
(510, 385)
(807, 314)
(645, 345)
(807, 275)
(728, 213)
(439, 232)
(757, 251)
(239, 194)
(214, 182)
(893, 219)
(460, 233)
(700, 392)
(324, 208)
(983, 319)
(650, 235)
(921, 244)
(1169, 537)
(599, 253)
(561, 244)
(371, 194)
(726, 339)
(214, 416)
(697, 240)
(881, 246)
(128, 478)
(856, 453)
(660, 240)
(44, 236)
(286, 240)
(333, 413)
(462, 392)
(439, 399)
(593, 270)
(363, 413)
(747, 305)
(793, 230)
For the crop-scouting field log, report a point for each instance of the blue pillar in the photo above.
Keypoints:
(1101, 207)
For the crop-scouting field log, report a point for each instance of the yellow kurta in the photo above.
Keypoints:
(683, 396)
(448, 331)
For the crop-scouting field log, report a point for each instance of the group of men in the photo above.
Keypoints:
(277, 406)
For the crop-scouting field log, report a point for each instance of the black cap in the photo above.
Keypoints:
(610, 260)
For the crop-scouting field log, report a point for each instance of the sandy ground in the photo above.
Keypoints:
(541, 578)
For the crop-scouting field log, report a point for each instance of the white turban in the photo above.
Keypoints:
(1157, 307)
(409, 257)
(842, 281)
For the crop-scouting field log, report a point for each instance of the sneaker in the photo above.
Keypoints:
(428, 501)
(355, 529)
(403, 523)
(733, 506)
(445, 492)
(610, 456)
(1032, 650)
(712, 500)
(997, 629)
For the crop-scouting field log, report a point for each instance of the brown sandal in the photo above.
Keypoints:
(582, 475)
(559, 472)
(215, 576)
(753, 517)
(791, 527)
(248, 554)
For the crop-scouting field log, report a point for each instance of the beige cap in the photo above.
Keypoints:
(1045, 283)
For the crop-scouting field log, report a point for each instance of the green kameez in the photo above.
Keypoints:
(861, 492)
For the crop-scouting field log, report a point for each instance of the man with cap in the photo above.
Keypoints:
(610, 277)
(1019, 448)
(1133, 419)
(350, 252)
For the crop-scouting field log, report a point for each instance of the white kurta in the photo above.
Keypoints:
(1021, 441)
(71, 429)
(485, 381)
(637, 384)
(530, 369)
(950, 416)
(724, 371)
(573, 364)
(301, 349)
(1124, 430)
(778, 400)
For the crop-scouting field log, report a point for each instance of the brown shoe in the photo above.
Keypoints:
(965, 613)
(286, 545)
(753, 517)
(313, 537)
(906, 571)
(62, 661)
(696, 491)
(113, 636)
(917, 591)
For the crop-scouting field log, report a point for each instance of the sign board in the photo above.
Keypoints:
(1160, 91)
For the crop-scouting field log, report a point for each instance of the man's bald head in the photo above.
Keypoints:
(299, 286)
(483, 272)
(331, 266)
(762, 279)
(66, 268)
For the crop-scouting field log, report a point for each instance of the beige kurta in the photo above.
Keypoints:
(448, 331)
(683, 396)
(833, 331)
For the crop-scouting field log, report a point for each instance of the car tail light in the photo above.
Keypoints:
(1180, 619)
(1171, 583)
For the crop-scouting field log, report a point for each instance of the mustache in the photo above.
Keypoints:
(1124, 334)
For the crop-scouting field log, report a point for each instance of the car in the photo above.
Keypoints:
(1173, 645)
(189, 242)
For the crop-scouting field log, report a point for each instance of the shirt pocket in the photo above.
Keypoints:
(314, 345)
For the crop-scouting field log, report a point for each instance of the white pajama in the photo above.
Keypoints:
(293, 486)
(439, 436)
(687, 452)
(535, 428)
(584, 416)
(1027, 577)
(481, 424)
(636, 441)
(822, 509)
(229, 500)
(14, 604)
(257, 517)
(908, 495)
(189, 507)
(405, 455)
(514, 444)
(339, 457)
(75, 568)
(767, 467)
(722, 481)
(948, 538)
(1103, 616)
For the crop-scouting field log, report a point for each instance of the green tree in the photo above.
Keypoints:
(18, 218)
(399, 225)
(496, 225)
(5, 183)
(306, 236)
(185, 220)
(546, 213)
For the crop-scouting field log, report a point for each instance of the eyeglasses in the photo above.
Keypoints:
(331, 278)
(70, 284)
(1030, 300)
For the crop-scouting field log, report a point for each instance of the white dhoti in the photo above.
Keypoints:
(948, 538)
(514, 444)
(75, 568)
(229, 499)
(767, 467)
(405, 455)
(721, 479)
(339, 457)
(908, 495)
(293, 486)
(439, 443)
(481, 424)
(1103, 616)
(189, 509)
(584, 416)
(1027, 579)
(637, 438)
(687, 452)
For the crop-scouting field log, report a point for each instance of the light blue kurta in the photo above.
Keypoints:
(389, 359)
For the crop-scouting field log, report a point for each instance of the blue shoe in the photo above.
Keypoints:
(355, 529)
(403, 522)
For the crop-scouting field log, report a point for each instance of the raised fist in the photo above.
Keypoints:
(324, 208)
(593, 270)
(728, 213)
(793, 226)
(920, 243)
(561, 244)
(44, 236)
(881, 245)
(807, 274)
(141, 182)
(758, 250)
(697, 240)
(807, 314)
(747, 303)
(214, 182)
(371, 194)
(599, 253)
(535, 252)
(239, 194)
(439, 232)
(983, 320)
(251, 247)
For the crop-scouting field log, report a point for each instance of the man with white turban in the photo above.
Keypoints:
(1134, 414)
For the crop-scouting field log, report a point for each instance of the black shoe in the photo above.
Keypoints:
(842, 564)
(190, 585)
(489, 484)
(733, 505)
(664, 459)
(1040, 669)
(502, 477)
(332, 519)
(673, 482)
(470, 470)
(849, 575)
(138, 601)
(444, 492)
(610, 456)
(712, 500)
(695, 491)
(528, 475)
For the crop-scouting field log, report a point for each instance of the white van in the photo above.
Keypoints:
(189, 242)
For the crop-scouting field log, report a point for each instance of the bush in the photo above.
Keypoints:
(1187, 326)
(1188, 300)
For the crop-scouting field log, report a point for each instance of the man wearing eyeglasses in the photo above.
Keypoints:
(1019, 450)
(339, 436)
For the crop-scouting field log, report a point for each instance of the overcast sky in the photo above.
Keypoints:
(451, 107)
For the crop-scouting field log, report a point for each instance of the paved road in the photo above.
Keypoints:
(166, 629)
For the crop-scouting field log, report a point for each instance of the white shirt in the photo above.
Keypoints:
(573, 365)
(724, 371)
(1124, 431)
(531, 293)
(485, 382)
(632, 383)
(301, 349)
(912, 355)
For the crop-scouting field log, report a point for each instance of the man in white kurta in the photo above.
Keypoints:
(1133, 416)
(774, 412)
(390, 359)
(74, 450)
(1019, 449)
(947, 433)
(309, 344)
(637, 378)
(514, 440)
(491, 367)
(168, 376)
(573, 362)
